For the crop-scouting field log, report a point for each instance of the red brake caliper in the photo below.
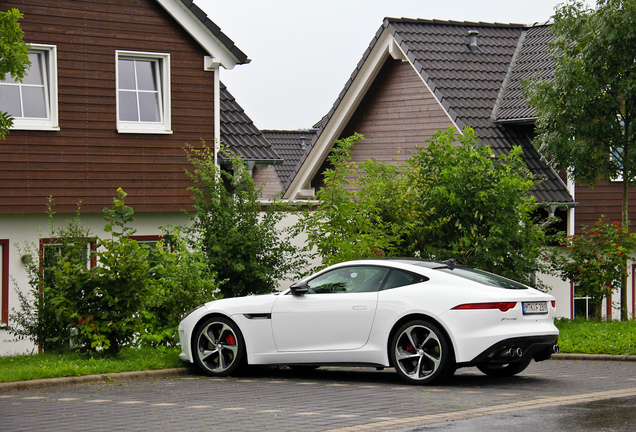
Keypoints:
(410, 348)
(230, 340)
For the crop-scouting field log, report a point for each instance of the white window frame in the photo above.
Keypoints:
(163, 126)
(51, 121)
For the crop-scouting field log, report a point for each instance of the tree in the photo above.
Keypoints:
(451, 199)
(594, 260)
(586, 113)
(240, 238)
(474, 207)
(363, 211)
(14, 56)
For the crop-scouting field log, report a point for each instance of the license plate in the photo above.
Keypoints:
(534, 308)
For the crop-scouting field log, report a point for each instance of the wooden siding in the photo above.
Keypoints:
(605, 198)
(265, 177)
(88, 159)
(397, 114)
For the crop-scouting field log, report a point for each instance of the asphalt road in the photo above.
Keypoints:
(561, 395)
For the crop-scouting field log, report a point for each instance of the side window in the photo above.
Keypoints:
(348, 279)
(143, 92)
(33, 102)
(398, 278)
(51, 252)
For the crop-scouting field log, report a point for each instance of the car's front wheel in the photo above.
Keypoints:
(421, 353)
(218, 346)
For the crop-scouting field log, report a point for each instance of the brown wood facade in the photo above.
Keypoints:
(605, 198)
(397, 114)
(87, 159)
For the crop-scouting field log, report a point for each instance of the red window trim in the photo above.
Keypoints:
(4, 283)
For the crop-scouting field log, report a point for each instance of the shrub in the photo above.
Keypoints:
(237, 232)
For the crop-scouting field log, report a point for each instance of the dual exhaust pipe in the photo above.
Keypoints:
(511, 353)
(516, 352)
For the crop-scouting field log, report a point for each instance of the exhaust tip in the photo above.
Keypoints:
(555, 349)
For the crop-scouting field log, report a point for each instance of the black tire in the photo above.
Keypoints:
(218, 347)
(505, 370)
(421, 353)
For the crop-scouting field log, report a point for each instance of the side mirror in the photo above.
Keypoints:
(299, 288)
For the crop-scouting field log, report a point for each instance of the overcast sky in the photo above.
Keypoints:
(304, 51)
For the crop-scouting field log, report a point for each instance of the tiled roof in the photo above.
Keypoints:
(467, 84)
(216, 31)
(531, 60)
(241, 135)
(290, 145)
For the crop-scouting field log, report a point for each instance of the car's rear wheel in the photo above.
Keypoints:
(218, 346)
(505, 370)
(421, 353)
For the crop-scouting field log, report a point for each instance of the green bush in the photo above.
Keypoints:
(182, 280)
(238, 233)
(452, 198)
(134, 292)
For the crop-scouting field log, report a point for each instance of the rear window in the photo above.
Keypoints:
(484, 277)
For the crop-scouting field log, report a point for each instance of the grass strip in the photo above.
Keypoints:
(597, 337)
(48, 365)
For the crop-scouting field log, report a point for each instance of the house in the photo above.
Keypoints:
(115, 92)
(419, 76)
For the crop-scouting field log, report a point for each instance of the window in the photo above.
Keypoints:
(399, 278)
(33, 102)
(51, 252)
(143, 92)
(348, 279)
(585, 306)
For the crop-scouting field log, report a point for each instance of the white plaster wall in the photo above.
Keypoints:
(21, 230)
(288, 221)
(561, 291)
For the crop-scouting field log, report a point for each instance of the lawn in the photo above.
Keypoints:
(29, 367)
(597, 337)
(589, 337)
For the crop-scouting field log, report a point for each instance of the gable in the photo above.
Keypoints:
(463, 65)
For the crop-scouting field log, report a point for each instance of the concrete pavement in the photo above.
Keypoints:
(342, 399)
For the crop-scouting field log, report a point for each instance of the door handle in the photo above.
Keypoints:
(359, 308)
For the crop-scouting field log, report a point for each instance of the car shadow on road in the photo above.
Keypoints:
(463, 378)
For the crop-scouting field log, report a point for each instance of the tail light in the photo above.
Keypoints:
(553, 304)
(502, 306)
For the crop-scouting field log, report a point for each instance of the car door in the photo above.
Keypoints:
(336, 314)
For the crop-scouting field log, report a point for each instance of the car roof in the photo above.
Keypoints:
(409, 261)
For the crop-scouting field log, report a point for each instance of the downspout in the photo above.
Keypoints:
(217, 114)
(571, 226)
(213, 65)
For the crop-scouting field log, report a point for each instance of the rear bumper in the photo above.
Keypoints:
(516, 350)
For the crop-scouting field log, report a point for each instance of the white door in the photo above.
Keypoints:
(336, 314)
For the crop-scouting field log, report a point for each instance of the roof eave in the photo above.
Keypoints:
(520, 121)
(205, 32)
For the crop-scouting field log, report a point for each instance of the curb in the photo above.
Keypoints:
(596, 357)
(119, 376)
(165, 373)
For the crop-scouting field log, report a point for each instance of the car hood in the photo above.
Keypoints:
(249, 304)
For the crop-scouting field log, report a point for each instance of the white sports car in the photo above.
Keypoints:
(425, 319)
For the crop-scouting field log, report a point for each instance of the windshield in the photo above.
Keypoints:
(484, 277)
